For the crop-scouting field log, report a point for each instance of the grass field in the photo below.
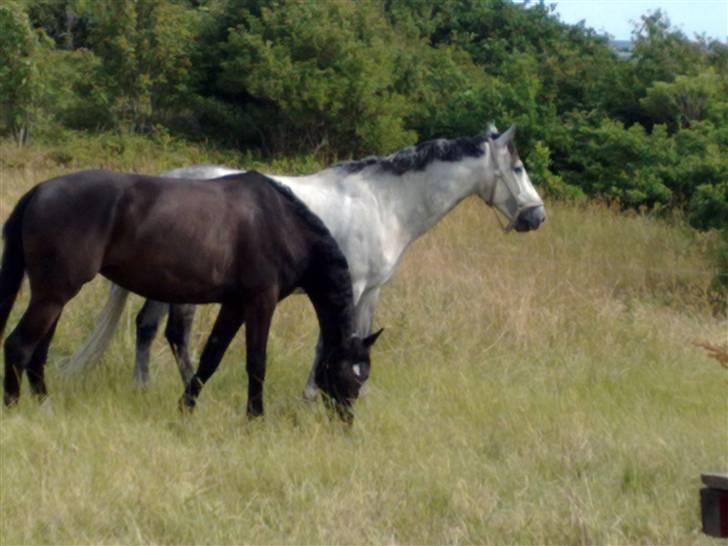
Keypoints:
(540, 388)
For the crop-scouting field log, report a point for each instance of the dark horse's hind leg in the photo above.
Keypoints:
(179, 325)
(147, 322)
(227, 323)
(34, 328)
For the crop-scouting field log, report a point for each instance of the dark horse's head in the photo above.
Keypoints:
(342, 373)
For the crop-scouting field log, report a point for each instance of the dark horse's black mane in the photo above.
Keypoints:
(328, 247)
(417, 158)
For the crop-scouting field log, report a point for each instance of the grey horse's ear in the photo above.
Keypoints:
(507, 137)
(491, 131)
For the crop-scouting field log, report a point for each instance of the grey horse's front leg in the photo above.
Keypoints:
(147, 322)
(311, 390)
(363, 320)
(179, 326)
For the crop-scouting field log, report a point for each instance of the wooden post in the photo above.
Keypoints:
(714, 504)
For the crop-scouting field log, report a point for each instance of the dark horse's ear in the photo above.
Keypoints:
(369, 340)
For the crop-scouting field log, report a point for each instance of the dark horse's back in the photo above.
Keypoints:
(181, 241)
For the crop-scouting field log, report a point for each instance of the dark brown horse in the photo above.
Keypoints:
(243, 241)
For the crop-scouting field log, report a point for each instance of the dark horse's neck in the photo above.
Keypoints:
(329, 288)
(327, 280)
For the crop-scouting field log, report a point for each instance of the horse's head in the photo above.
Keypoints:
(343, 371)
(506, 185)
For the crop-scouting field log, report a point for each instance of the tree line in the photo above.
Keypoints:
(347, 78)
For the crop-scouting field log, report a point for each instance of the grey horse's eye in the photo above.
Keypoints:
(518, 170)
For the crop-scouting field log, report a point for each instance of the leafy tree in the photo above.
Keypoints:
(18, 73)
(687, 99)
(661, 53)
(145, 49)
(61, 20)
(449, 94)
(623, 164)
(34, 77)
(321, 75)
(553, 185)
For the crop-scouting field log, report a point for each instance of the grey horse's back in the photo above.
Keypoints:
(201, 172)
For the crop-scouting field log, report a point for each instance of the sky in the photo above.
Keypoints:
(615, 17)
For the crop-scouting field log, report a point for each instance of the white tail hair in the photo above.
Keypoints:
(91, 349)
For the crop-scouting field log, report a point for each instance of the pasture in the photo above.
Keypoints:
(535, 388)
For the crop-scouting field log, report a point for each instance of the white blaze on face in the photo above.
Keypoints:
(357, 370)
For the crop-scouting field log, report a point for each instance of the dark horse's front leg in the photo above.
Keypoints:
(228, 322)
(257, 325)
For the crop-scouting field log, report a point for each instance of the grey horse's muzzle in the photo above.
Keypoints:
(530, 219)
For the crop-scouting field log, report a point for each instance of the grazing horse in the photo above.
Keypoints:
(244, 241)
(374, 208)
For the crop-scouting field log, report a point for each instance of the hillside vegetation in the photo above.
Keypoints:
(346, 78)
(536, 388)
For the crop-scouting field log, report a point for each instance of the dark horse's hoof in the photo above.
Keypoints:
(254, 412)
(186, 404)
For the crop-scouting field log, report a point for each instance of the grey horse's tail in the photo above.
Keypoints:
(94, 345)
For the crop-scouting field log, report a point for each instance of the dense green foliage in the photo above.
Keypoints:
(348, 78)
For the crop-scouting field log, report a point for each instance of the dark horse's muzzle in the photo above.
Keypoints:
(530, 219)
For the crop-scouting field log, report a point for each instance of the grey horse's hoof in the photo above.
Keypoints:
(310, 393)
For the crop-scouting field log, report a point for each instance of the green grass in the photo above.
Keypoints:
(538, 388)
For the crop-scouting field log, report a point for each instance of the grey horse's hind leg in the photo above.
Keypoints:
(179, 325)
(363, 320)
(311, 390)
(147, 323)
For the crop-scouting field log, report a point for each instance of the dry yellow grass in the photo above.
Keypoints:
(539, 388)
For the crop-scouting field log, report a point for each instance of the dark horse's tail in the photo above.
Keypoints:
(12, 266)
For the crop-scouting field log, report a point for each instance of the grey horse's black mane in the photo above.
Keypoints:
(417, 158)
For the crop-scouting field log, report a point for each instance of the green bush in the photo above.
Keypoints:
(550, 184)
(323, 73)
(709, 206)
